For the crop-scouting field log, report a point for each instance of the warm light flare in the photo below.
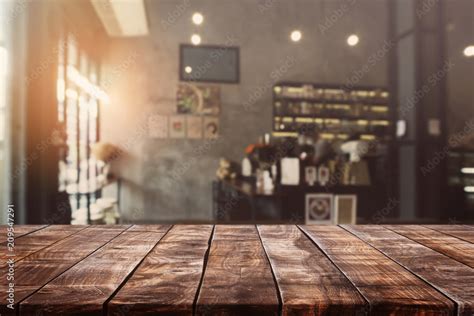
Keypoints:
(81, 81)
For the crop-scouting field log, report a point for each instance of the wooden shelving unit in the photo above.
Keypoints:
(337, 112)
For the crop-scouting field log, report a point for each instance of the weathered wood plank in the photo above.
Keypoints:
(84, 288)
(36, 270)
(453, 247)
(19, 230)
(451, 277)
(458, 231)
(167, 281)
(37, 240)
(308, 282)
(238, 279)
(389, 288)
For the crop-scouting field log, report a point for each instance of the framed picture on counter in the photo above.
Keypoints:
(319, 208)
(345, 209)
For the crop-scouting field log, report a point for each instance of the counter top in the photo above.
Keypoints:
(241, 269)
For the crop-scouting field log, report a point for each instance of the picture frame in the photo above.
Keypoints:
(198, 99)
(345, 209)
(211, 127)
(177, 127)
(194, 127)
(319, 208)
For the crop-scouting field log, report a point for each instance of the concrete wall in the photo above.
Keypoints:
(142, 77)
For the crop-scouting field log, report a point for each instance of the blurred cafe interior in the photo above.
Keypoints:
(237, 111)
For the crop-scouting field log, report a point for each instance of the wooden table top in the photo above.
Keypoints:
(240, 270)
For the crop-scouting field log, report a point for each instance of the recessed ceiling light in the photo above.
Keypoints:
(188, 69)
(353, 40)
(296, 36)
(198, 18)
(469, 51)
(196, 39)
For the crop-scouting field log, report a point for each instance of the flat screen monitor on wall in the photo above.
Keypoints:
(209, 64)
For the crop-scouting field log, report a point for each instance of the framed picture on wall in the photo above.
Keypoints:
(211, 127)
(319, 208)
(177, 126)
(198, 99)
(345, 209)
(194, 127)
(158, 126)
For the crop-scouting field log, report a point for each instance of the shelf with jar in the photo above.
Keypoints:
(336, 112)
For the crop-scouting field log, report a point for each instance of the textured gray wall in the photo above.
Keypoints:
(142, 78)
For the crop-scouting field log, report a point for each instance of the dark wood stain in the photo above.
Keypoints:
(308, 282)
(36, 270)
(317, 270)
(238, 278)
(453, 247)
(168, 279)
(85, 287)
(458, 231)
(21, 230)
(388, 287)
(452, 278)
(37, 240)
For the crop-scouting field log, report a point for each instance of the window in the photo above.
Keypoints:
(79, 98)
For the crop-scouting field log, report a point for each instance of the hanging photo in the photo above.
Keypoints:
(319, 209)
(194, 127)
(198, 99)
(158, 126)
(177, 129)
(211, 127)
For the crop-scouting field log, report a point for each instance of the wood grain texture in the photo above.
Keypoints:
(453, 247)
(41, 267)
(149, 269)
(308, 282)
(451, 277)
(84, 288)
(167, 281)
(389, 288)
(19, 230)
(37, 240)
(458, 231)
(238, 279)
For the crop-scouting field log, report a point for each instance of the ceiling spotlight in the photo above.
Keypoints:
(198, 18)
(469, 51)
(353, 40)
(196, 39)
(188, 69)
(296, 36)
